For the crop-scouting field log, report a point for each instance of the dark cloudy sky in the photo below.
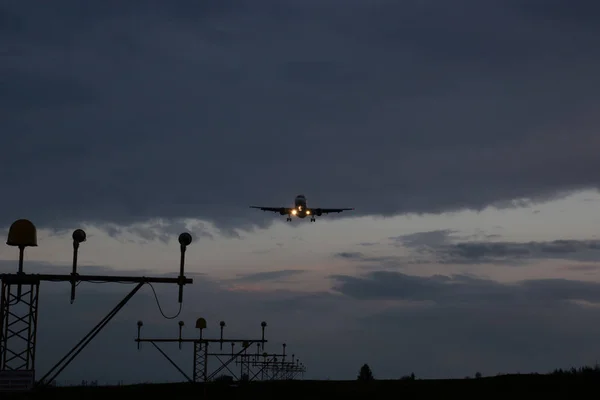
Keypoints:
(464, 133)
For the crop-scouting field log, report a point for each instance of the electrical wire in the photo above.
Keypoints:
(160, 308)
(153, 291)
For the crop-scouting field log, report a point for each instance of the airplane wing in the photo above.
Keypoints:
(286, 210)
(319, 211)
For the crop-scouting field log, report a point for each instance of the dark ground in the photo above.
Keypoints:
(558, 385)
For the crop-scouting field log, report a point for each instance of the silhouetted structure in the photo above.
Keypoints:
(251, 365)
(265, 366)
(19, 308)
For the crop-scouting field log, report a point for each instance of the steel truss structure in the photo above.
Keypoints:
(253, 366)
(265, 366)
(19, 305)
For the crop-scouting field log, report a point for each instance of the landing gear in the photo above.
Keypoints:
(289, 218)
(312, 219)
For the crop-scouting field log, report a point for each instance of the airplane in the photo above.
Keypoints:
(300, 209)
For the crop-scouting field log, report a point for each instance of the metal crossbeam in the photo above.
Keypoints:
(201, 355)
(19, 299)
(25, 279)
(201, 348)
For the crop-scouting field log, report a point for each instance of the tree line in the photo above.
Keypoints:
(365, 373)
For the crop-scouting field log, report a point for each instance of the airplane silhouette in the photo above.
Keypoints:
(300, 209)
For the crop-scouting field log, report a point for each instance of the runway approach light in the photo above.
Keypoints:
(222, 324)
(263, 325)
(22, 233)
(79, 237)
(201, 325)
(181, 324)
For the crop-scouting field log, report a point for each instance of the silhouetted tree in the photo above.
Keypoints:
(477, 375)
(410, 377)
(584, 370)
(224, 378)
(365, 373)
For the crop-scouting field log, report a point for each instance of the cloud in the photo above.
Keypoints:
(372, 261)
(580, 250)
(352, 255)
(367, 244)
(584, 268)
(442, 247)
(269, 275)
(124, 114)
(156, 230)
(428, 239)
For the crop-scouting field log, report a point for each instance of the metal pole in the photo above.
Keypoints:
(74, 272)
(21, 257)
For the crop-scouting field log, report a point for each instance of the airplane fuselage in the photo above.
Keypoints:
(300, 209)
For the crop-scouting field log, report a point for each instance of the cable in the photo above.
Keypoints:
(153, 291)
(160, 308)
(97, 282)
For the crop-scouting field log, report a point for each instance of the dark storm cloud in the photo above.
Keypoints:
(580, 14)
(463, 289)
(580, 250)
(443, 247)
(115, 113)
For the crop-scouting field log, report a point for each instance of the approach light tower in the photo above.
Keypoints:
(201, 349)
(272, 366)
(19, 307)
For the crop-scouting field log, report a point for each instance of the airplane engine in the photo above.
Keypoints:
(318, 212)
(282, 211)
